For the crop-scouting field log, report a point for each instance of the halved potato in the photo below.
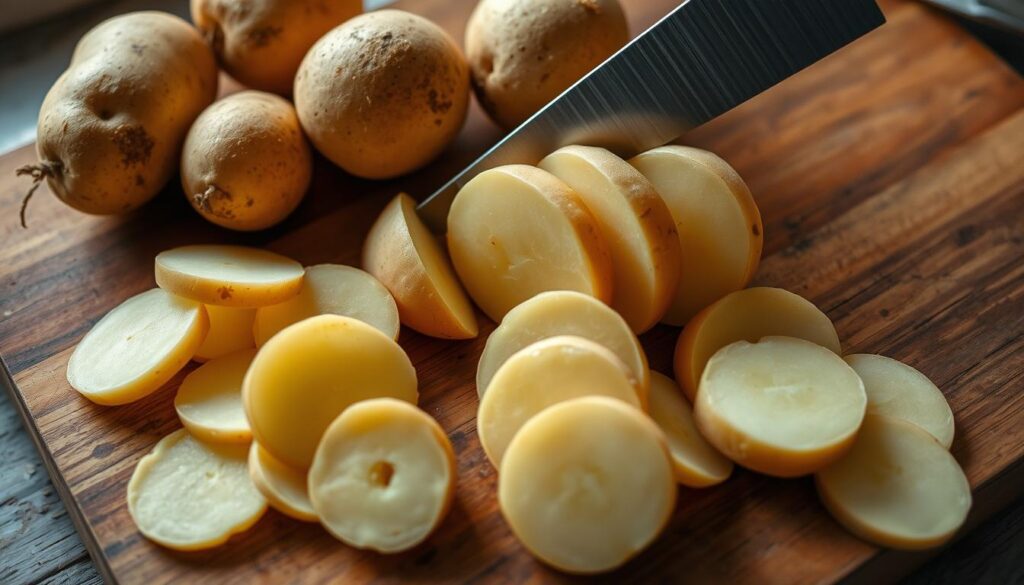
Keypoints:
(209, 400)
(228, 276)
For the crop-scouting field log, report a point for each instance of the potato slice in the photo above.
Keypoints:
(587, 484)
(228, 276)
(636, 224)
(544, 373)
(383, 477)
(284, 488)
(717, 222)
(516, 231)
(749, 315)
(137, 347)
(897, 487)
(696, 463)
(209, 400)
(187, 495)
(782, 406)
(898, 390)
(402, 253)
(332, 289)
(561, 313)
(230, 331)
(307, 374)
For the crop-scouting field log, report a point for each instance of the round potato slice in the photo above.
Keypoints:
(284, 488)
(228, 276)
(383, 477)
(697, 464)
(187, 495)
(137, 347)
(307, 374)
(748, 315)
(897, 487)
(898, 390)
(209, 400)
(230, 331)
(636, 224)
(545, 373)
(587, 484)
(332, 289)
(402, 253)
(516, 231)
(717, 222)
(782, 406)
(561, 313)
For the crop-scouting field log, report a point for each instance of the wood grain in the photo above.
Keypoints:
(891, 184)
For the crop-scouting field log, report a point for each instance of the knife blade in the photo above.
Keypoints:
(701, 60)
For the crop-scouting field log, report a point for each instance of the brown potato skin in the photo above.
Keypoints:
(261, 42)
(383, 94)
(112, 126)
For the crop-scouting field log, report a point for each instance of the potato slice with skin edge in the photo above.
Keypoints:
(228, 276)
(383, 477)
(137, 347)
(284, 488)
(402, 253)
(898, 390)
(696, 463)
(636, 224)
(516, 231)
(209, 400)
(747, 315)
(332, 289)
(897, 487)
(717, 222)
(596, 500)
(187, 495)
(310, 372)
(561, 313)
(545, 373)
(230, 331)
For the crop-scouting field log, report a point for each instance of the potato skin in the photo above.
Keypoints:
(383, 94)
(524, 53)
(261, 42)
(112, 126)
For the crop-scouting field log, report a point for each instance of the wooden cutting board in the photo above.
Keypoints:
(891, 181)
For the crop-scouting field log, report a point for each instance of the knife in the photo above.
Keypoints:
(701, 60)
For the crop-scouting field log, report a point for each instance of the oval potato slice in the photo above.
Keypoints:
(230, 331)
(284, 488)
(209, 400)
(229, 276)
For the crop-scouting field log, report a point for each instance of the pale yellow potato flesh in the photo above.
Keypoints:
(402, 253)
(636, 224)
(209, 400)
(284, 488)
(187, 495)
(230, 331)
(748, 315)
(332, 289)
(587, 484)
(717, 222)
(383, 477)
(516, 231)
(545, 373)
(228, 276)
(900, 391)
(696, 463)
(561, 313)
(137, 347)
(897, 487)
(782, 406)
(307, 374)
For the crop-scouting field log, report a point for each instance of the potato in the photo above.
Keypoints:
(383, 94)
(246, 164)
(262, 42)
(111, 127)
(523, 53)
(284, 487)
(209, 400)
(228, 276)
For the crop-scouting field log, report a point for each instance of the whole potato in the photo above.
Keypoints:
(111, 127)
(261, 42)
(246, 164)
(382, 94)
(524, 53)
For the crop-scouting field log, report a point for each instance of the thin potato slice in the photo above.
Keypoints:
(284, 488)
(209, 400)
(230, 331)
(228, 276)
(187, 495)
(137, 347)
